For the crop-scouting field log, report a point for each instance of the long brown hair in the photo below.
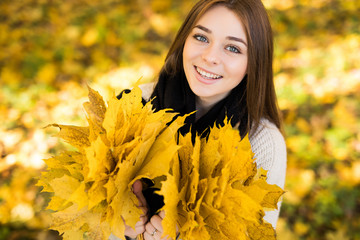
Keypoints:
(261, 96)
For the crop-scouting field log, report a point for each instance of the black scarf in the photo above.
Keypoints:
(174, 92)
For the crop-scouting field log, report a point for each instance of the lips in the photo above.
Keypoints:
(207, 75)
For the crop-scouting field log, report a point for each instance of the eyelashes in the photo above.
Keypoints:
(230, 48)
(233, 49)
(200, 38)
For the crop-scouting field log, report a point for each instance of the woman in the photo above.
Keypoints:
(220, 64)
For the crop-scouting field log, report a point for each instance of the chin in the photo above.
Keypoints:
(200, 91)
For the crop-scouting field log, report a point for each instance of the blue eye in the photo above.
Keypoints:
(200, 38)
(233, 49)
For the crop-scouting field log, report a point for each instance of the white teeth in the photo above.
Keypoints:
(206, 74)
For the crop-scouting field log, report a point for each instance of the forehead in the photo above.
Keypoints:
(221, 18)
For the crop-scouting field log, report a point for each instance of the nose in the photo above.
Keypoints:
(211, 55)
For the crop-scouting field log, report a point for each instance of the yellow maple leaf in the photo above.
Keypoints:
(75, 223)
(76, 136)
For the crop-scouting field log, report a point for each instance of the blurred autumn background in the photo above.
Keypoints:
(50, 50)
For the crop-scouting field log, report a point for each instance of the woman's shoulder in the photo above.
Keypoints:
(147, 89)
(267, 132)
(269, 147)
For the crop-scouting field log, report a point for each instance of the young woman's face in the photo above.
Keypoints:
(215, 55)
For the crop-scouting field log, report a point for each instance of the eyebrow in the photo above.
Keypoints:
(229, 37)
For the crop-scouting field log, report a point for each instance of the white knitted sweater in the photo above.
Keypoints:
(269, 147)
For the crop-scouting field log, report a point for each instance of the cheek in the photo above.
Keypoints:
(237, 68)
(186, 46)
(189, 51)
(186, 59)
(185, 54)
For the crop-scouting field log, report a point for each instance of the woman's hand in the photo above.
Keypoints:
(154, 228)
(140, 225)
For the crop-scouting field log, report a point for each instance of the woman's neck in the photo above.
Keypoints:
(202, 107)
(204, 104)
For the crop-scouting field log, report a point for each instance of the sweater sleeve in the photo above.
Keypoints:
(269, 147)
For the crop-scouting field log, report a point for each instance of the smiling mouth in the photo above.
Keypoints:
(206, 74)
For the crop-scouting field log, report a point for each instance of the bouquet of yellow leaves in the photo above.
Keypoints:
(214, 190)
(91, 187)
(211, 187)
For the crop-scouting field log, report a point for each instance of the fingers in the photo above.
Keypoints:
(137, 190)
(145, 211)
(162, 214)
(156, 222)
(151, 232)
(154, 229)
(143, 220)
(130, 232)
